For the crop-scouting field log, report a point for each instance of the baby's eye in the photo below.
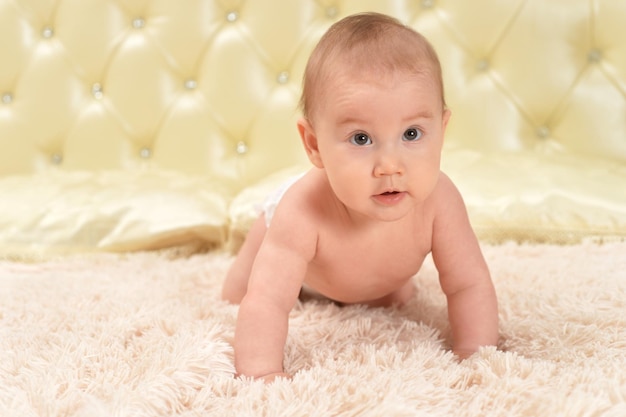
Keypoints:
(361, 139)
(412, 134)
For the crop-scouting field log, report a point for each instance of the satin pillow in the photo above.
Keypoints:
(62, 212)
(521, 196)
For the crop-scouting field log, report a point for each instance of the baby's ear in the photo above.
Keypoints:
(446, 118)
(309, 140)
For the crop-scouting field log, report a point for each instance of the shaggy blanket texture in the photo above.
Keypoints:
(146, 334)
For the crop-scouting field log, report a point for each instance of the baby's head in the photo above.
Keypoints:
(371, 43)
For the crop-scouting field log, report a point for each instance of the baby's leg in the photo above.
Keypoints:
(236, 283)
(399, 297)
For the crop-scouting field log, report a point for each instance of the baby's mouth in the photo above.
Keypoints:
(389, 198)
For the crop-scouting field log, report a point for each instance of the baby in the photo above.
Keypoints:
(357, 227)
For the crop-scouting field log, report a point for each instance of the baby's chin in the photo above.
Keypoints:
(380, 213)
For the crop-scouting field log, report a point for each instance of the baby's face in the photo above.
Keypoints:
(380, 141)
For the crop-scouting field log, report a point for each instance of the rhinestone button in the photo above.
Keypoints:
(283, 77)
(96, 91)
(56, 159)
(191, 84)
(543, 132)
(232, 16)
(7, 98)
(47, 32)
(242, 148)
(145, 153)
(595, 55)
(427, 4)
(482, 65)
(331, 12)
(139, 23)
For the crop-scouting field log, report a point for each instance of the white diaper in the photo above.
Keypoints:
(271, 201)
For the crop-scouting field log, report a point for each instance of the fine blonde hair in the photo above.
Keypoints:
(368, 42)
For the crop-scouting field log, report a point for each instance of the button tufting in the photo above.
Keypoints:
(482, 65)
(232, 16)
(191, 84)
(145, 153)
(543, 132)
(139, 22)
(428, 4)
(47, 32)
(242, 148)
(7, 98)
(283, 77)
(96, 91)
(56, 159)
(332, 12)
(594, 55)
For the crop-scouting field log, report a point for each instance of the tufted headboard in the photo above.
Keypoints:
(208, 89)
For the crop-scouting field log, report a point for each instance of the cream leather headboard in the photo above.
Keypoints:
(209, 88)
(197, 86)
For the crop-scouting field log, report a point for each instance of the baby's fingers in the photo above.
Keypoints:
(269, 378)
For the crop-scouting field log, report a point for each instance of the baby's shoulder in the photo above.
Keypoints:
(445, 189)
(446, 197)
(302, 199)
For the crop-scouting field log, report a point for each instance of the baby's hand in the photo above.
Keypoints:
(463, 354)
(269, 378)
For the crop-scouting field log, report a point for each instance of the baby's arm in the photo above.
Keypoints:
(273, 289)
(464, 275)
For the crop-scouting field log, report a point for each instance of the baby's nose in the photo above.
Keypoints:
(388, 163)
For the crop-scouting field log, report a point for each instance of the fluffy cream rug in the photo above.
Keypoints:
(146, 335)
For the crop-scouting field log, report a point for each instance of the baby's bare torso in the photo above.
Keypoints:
(354, 265)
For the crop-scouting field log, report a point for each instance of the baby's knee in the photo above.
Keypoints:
(403, 295)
